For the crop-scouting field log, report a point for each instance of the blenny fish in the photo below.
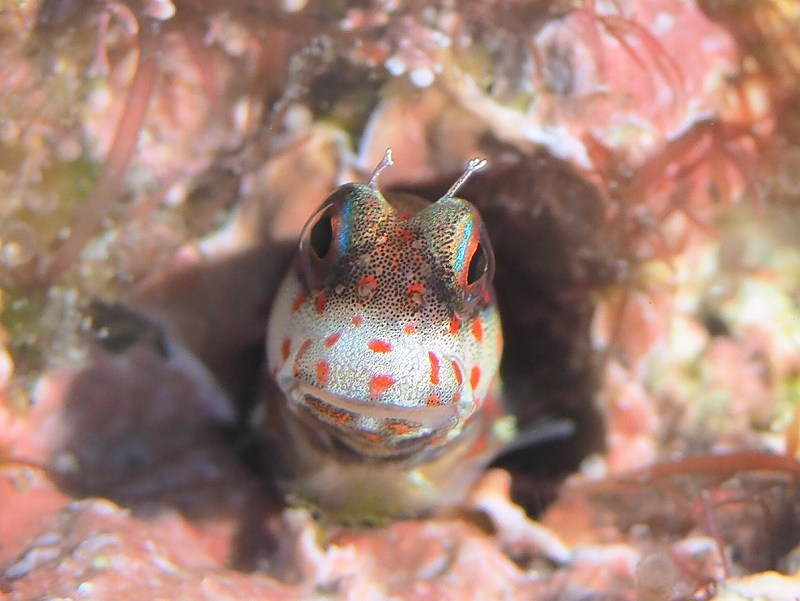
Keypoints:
(385, 341)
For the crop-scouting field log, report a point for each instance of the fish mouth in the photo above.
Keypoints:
(363, 430)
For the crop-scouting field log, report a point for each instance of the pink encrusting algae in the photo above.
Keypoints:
(159, 161)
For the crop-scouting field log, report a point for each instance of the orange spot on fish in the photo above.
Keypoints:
(372, 436)
(366, 287)
(379, 346)
(332, 339)
(340, 416)
(320, 302)
(357, 320)
(433, 400)
(286, 346)
(323, 372)
(455, 324)
(457, 373)
(298, 301)
(399, 427)
(379, 384)
(475, 377)
(409, 329)
(434, 368)
(414, 293)
(477, 329)
(300, 352)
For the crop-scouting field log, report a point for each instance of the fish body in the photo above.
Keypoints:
(385, 341)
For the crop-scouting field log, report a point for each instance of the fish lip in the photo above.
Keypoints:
(351, 441)
(445, 416)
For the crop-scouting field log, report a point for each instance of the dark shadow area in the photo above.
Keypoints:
(218, 311)
(149, 422)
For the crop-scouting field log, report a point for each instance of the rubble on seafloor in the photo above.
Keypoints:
(158, 160)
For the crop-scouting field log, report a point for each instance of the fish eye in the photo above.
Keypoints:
(320, 238)
(477, 265)
(480, 270)
(326, 236)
